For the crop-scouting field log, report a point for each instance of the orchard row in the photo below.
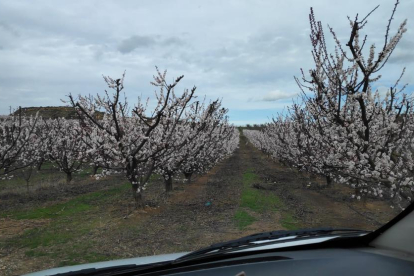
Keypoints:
(179, 135)
(341, 126)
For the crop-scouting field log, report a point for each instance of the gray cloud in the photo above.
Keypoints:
(234, 50)
(273, 96)
(403, 57)
(136, 41)
(278, 95)
(404, 53)
(173, 41)
(8, 28)
(130, 44)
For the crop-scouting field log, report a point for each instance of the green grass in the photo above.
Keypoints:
(65, 209)
(289, 222)
(74, 206)
(243, 219)
(69, 222)
(38, 253)
(35, 238)
(64, 241)
(61, 230)
(259, 201)
(85, 257)
(75, 254)
(58, 240)
(63, 238)
(47, 166)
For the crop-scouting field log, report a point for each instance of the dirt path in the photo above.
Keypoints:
(196, 215)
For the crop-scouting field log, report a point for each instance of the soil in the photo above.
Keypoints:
(201, 213)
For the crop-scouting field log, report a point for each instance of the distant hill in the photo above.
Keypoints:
(53, 112)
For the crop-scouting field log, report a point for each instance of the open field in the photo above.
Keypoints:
(90, 220)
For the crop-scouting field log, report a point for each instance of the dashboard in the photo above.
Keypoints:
(306, 262)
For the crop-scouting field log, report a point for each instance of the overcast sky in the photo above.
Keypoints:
(245, 52)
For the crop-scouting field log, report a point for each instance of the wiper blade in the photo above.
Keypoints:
(265, 236)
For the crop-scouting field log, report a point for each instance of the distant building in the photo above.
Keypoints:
(53, 112)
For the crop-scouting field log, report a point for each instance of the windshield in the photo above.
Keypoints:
(273, 115)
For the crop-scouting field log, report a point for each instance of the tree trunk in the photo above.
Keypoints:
(138, 197)
(329, 181)
(95, 169)
(168, 180)
(357, 190)
(68, 177)
(188, 176)
(39, 165)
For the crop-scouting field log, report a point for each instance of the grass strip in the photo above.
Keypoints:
(260, 201)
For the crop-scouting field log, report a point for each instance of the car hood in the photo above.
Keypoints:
(137, 261)
(280, 243)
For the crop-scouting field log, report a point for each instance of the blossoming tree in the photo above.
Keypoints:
(131, 142)
(198, 127)
(343, 128)
(18, 142)
(64, 145)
